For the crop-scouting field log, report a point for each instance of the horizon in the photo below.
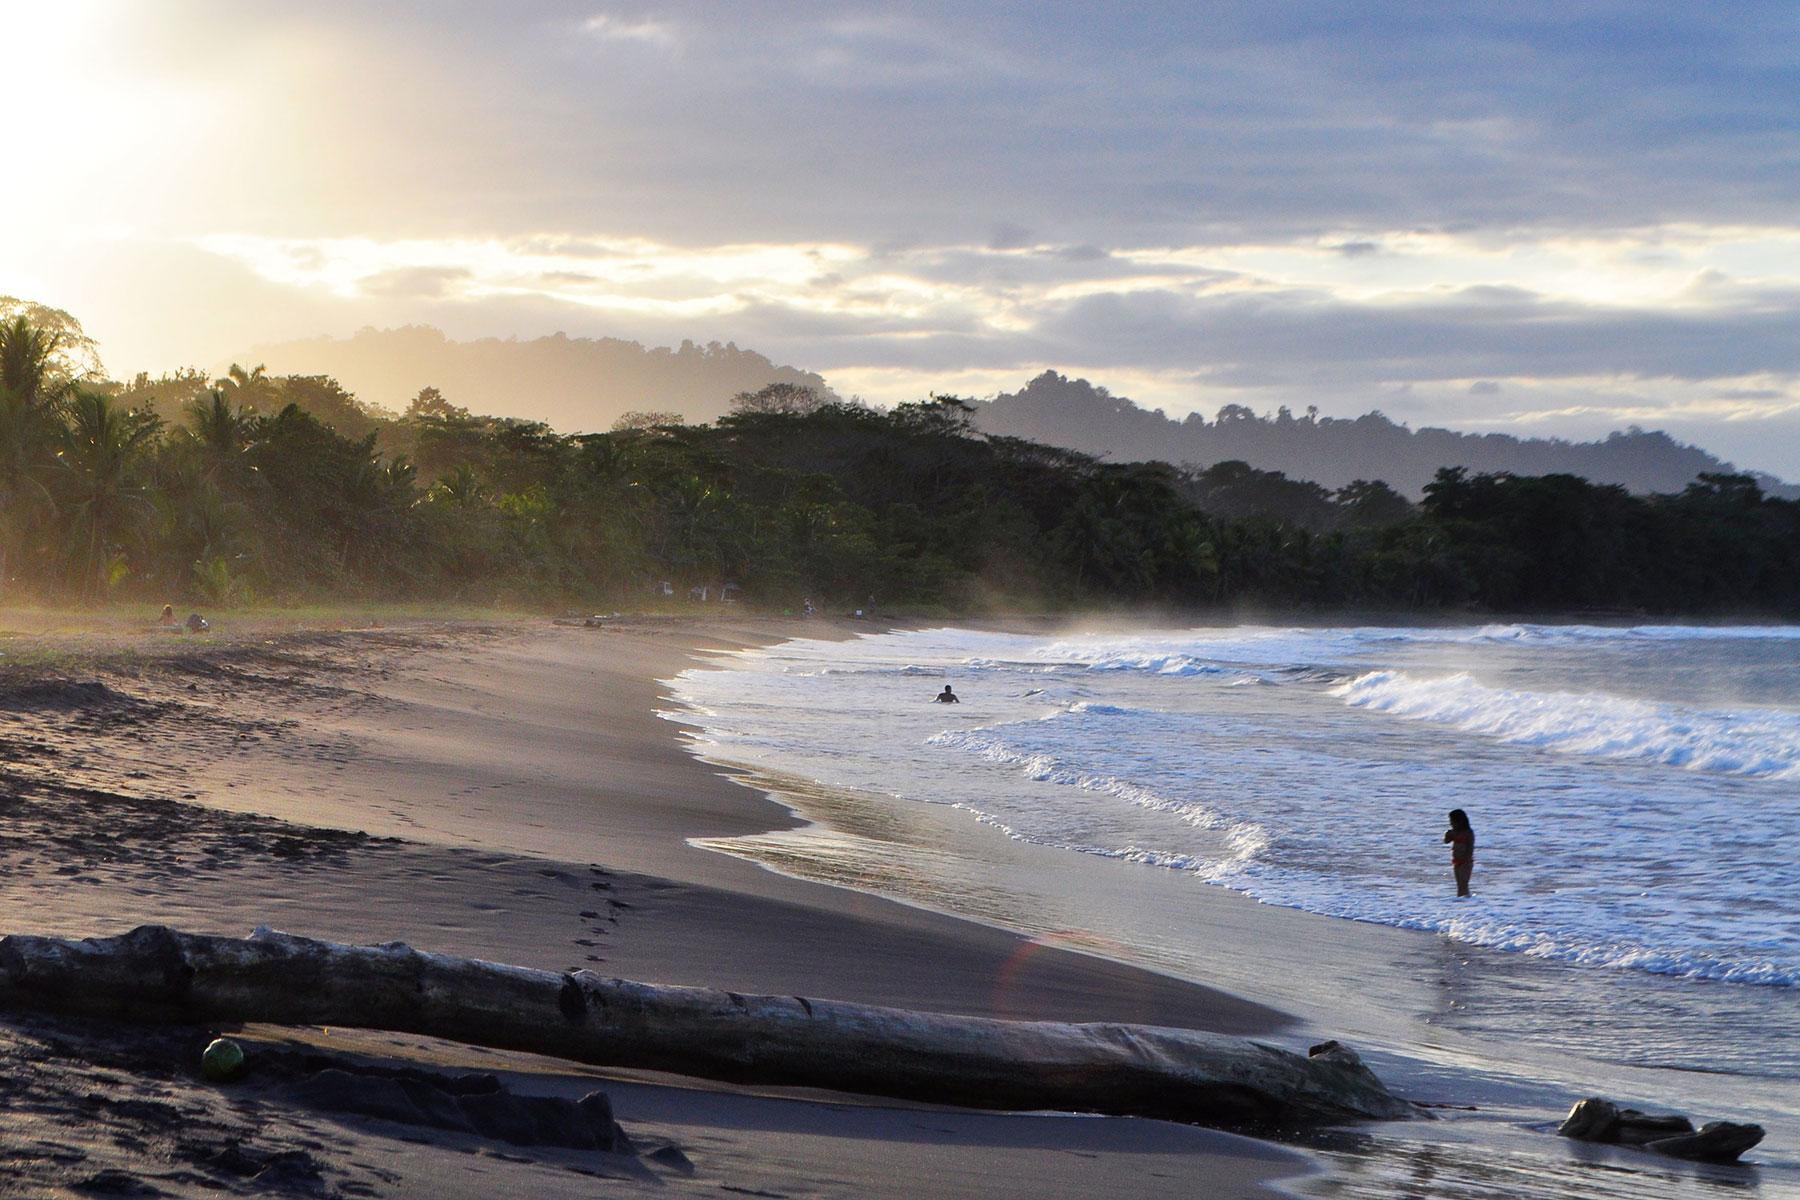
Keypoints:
(393, 405)
(1531, 223)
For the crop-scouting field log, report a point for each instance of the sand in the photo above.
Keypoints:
(506, 791)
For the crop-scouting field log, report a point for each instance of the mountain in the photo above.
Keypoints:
(574, 384)
(1075, 414)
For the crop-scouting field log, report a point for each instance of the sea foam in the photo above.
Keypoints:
(1761, 743)
(1626, 820)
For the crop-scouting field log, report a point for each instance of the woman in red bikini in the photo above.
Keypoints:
(1461, 837)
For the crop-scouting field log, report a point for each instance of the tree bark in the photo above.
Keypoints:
(155, 973)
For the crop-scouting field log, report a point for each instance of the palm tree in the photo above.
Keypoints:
(33, 384)
(197, 522)
(27, 450)
(222, 432)
(104, 447)
(461, 486)
(239, 380)
(30, 371)
(247, 387)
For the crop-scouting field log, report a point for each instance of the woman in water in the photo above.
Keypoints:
(1461, 837)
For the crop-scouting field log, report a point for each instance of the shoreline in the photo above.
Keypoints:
(510, 759)
(515, 759)
(1411, 1001)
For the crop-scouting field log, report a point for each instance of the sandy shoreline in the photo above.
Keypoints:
(509, 792)
(1504, 1041)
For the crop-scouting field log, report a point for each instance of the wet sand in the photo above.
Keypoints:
(506, 792)
(1500, 1043)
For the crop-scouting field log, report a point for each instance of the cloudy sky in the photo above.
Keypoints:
(1555, 218)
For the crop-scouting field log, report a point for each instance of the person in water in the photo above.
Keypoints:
(1461, 838)
(947, 696)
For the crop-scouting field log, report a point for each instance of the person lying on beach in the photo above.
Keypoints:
(947, 696)
(1461, 838)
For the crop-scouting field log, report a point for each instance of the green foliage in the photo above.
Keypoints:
(103, 487)
(280, 488)
(777, 399)
(44, 353)
(218, 584)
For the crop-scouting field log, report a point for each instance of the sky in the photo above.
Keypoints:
(1549, 219)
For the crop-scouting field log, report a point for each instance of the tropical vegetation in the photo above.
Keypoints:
(287, 488)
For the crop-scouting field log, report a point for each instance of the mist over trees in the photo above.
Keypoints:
(258, 486)
(1334, 451)
(573, 383)
(592, 384)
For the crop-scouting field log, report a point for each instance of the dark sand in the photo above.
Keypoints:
(508, 793)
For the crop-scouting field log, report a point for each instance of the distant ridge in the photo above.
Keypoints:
(575, 384)
(1077, 415)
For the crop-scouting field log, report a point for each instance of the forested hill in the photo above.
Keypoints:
(1075, 414)
(256, 486)
(575, 384)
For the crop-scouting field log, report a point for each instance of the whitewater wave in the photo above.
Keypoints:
(1536, 926)
(1646, 836)
(1300, 652)
(1639, 633)
(1161, 664)
(1523, 926)
(1242, 839)
(1758, 743)
(1097, 709)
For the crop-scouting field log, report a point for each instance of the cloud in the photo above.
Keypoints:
(1007, 236)
(1170, 124)
(421, 283)
(1391, 204)
(644, 31)
(1165, 309)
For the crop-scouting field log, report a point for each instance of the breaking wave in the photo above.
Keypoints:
(1242, 839)
(1760, 743)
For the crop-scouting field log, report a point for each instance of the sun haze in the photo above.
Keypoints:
(1516, 220)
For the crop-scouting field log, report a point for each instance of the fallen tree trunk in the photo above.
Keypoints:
(155, 973)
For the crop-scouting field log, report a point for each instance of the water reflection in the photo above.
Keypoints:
(1441, 1021)
(1505, 1166)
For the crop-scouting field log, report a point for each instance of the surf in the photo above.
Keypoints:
(1754, 742)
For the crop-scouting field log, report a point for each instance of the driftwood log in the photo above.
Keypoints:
(155, 973)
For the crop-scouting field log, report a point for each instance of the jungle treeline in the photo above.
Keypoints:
(257, 488)
(1337, 451)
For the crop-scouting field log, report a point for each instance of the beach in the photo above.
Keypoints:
(1258, 806)
(507, 791)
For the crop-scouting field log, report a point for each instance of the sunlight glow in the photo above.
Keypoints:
(869, 193)
(118, 128)
(1679, 268)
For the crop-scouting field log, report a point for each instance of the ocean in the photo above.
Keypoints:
(1635, 792)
